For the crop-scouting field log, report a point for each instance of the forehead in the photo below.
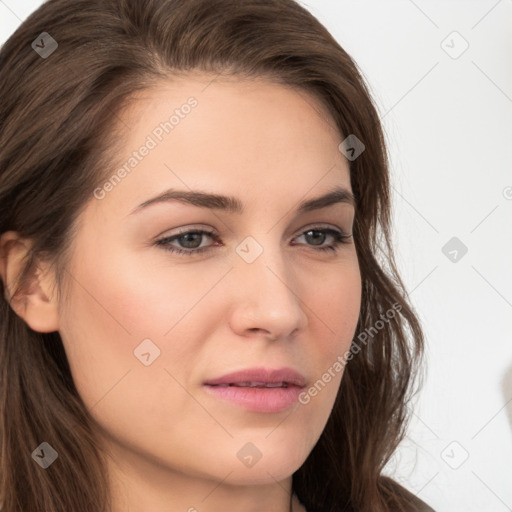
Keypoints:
(248, 137)
(212, 89)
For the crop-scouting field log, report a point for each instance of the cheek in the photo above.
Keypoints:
(115, 304)
(335, 308)
(105, 321)
(156, 296)
(334, 311)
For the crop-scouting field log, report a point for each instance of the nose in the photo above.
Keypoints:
(265, 302)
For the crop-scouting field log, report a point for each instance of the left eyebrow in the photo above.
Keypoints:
(234, 205)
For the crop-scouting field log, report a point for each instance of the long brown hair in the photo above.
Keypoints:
(58, 140)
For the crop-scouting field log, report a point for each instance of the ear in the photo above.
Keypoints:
(34, 302)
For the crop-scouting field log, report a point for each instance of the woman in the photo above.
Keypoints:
(194, 312)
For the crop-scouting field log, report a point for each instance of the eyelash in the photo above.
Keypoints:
(339, 237)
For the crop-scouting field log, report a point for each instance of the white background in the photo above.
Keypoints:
(447, 117)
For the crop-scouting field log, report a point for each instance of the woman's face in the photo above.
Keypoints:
(145, 328)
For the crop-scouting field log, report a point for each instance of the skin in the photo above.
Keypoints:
(167, 441)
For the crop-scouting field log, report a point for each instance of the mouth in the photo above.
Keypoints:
(260, 390)
(260, 377)
(254, 385)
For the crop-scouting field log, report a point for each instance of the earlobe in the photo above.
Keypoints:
(34, 302)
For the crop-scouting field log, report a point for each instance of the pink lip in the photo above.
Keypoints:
(260, 398)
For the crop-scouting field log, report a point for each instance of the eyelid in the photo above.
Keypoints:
(185, 229)
(214, 233)
(322, 226)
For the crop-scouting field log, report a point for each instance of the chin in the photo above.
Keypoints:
(266, 474)
(273, 465)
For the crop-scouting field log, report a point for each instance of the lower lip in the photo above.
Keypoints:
(258, 399)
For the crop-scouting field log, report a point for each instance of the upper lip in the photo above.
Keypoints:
(260, 375)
